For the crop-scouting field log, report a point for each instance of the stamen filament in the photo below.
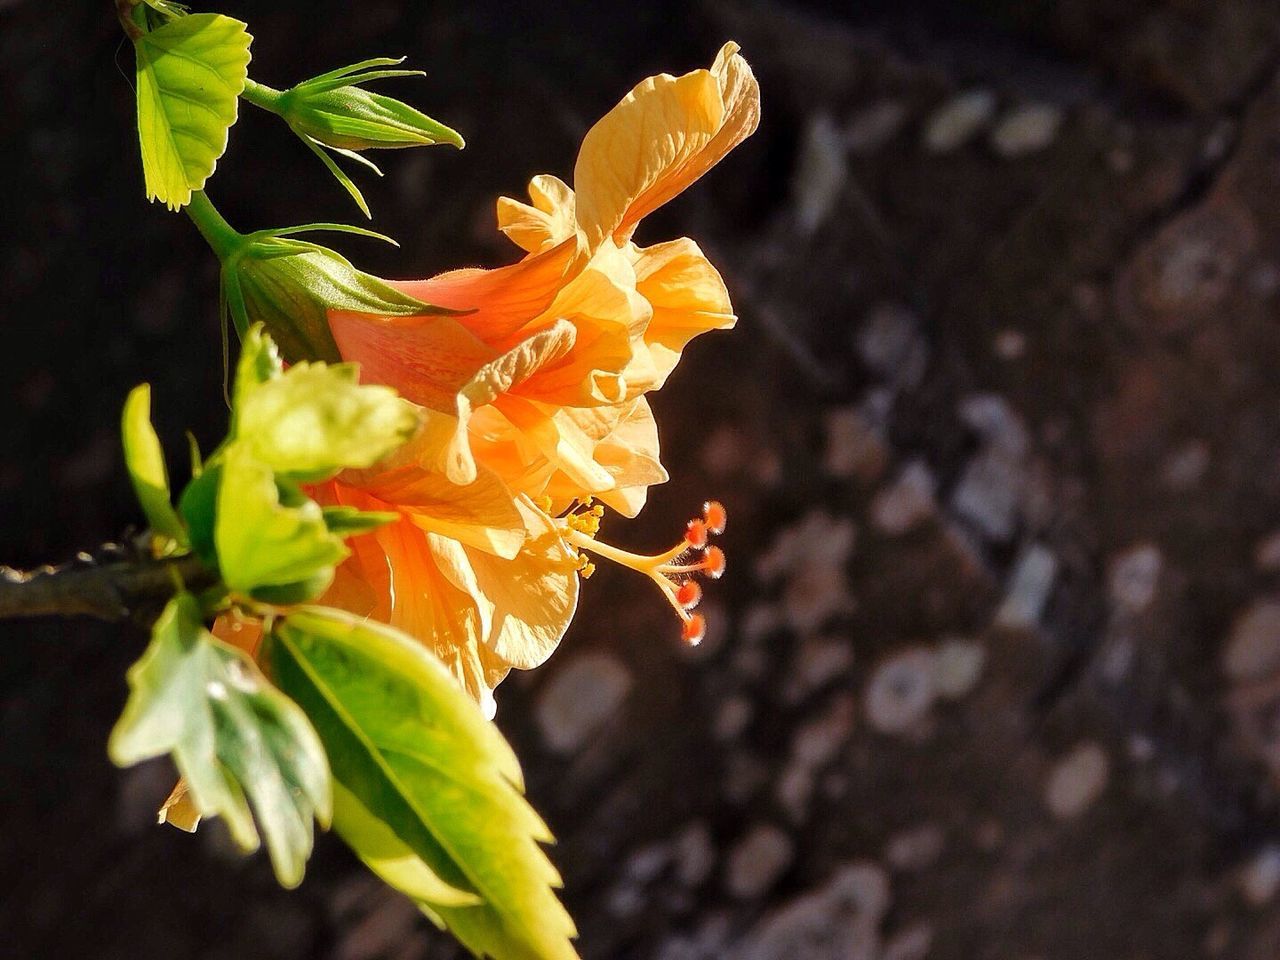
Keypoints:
(652, 567)
(672, 571)
(635, 561)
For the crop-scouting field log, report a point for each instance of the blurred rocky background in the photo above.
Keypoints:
(996, 671)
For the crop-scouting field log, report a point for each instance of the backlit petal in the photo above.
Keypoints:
(533, 597)
(665, 134)
(687, 296)
(549, 220)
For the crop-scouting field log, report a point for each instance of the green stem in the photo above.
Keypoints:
(267, 98)
(220, 235)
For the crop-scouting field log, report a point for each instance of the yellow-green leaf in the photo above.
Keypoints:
(190, 74)
(262, 541)
(317, 419)
(417, 756)
(235, 738)
(144, 460)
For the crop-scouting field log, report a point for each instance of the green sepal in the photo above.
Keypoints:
(168, 8)
(338, 113)
(236, 739)
(190, 74)
(198, 506)
(144, 460)
(437, 809)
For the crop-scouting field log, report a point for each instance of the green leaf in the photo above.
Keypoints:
(262, 542)
(259, 363)
(417, 756)
(234, 737)
(317, 419)
(350, 522)
(190, 73)
(144, 460)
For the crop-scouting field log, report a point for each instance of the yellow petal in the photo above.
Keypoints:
(547, 222)
(427, 606)
(665, 134)
(609, 318)
(520, 361)
(687, 295)
(480, 514)
(179, 810)
(630, 453)
(558, 438)
(533, 597)
(624, 443)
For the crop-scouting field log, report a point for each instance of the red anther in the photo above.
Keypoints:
(688, 594)
(695, 534)
(695, 628)
(714, 513)
(714, 563)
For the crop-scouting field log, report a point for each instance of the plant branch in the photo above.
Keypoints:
(115, 591)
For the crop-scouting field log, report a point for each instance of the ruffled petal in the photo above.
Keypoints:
(665, 134)
(609, 317)
(548, 221)
(624, 444)
(687, 297)
(533, 597)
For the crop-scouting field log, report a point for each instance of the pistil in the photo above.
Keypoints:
(672, 570)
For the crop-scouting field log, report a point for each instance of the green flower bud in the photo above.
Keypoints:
(290, 285)
(333, 112)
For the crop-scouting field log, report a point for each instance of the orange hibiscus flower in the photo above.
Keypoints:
(535, 400)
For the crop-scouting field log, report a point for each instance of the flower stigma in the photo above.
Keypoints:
(674, 571)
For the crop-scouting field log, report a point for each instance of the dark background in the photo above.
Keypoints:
(996, 670)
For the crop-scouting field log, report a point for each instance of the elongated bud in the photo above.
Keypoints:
(333, 109)
(290, 285)
(334, 112)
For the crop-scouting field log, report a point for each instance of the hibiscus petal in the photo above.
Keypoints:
(503, 299)
(533, 596)
(560, 440)
(624, 442)
(665, 134)
(687, 295)
(427, 359)
(545, 223)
